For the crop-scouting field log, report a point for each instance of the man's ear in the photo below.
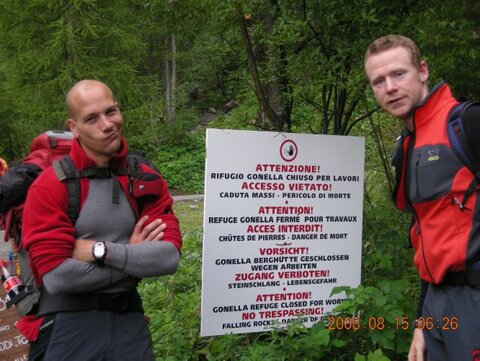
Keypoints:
(423, 71)
(73, 127)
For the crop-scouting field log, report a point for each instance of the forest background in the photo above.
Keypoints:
(177, 67)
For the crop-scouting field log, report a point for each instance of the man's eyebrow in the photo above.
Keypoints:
(107, 109)
(89, 115)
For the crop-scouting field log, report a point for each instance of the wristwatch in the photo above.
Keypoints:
(99, 251)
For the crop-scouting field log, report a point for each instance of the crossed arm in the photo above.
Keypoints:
(145, 255)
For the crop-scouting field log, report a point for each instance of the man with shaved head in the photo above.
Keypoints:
(125, 231)
(85, 103)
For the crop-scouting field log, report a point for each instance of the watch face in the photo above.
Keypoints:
(99, 249)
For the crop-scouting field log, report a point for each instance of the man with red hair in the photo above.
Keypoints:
(432, 184)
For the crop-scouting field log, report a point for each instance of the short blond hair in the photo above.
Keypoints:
(394, 41)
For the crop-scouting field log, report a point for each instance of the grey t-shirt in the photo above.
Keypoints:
(101, 219)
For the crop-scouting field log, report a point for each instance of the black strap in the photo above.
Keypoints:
(94, 172)
(397, 162)
(115, 191)
(121, 302)
(461, 146)
(466, 278)
(66, 171)
(469, 191)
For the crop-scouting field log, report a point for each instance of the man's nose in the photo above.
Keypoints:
(390, 85)
(106, 122)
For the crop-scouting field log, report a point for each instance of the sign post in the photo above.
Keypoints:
(13, 345)
(282, 227)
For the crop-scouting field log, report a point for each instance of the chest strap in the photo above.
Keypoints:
(66, 172)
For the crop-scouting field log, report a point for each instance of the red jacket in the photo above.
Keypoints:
(432, 182)
(48, 234)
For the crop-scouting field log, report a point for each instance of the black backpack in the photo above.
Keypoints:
(461, 146)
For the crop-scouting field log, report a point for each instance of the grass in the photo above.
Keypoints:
(173, 302)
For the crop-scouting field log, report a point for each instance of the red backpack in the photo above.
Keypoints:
(14, 184)
(49, 148)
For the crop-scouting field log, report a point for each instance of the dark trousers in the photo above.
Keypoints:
(94, 336)
(452, 328)
(38, 348)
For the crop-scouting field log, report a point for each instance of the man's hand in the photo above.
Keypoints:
(150, 232)
(83, 250)
(418, 350)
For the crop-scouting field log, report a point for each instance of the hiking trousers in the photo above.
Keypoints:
(99, 336)
(452, 327)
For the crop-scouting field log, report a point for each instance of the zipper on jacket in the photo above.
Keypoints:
(407, 181)
(458, 203)
(415, 176)
(418, 229)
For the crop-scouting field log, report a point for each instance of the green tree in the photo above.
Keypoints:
(267, 56)
(49, 45)
(449, 35)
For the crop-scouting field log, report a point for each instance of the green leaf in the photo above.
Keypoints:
(377, 355)
(339, 289)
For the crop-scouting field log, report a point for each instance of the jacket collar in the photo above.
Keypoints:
(438, 98)
(83, 161)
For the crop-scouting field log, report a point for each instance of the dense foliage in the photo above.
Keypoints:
(288, 65)
(385, 308)
(179, 66)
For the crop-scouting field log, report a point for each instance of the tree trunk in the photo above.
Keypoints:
(170, 76)
(278, 88)
(253, 67)
(382, 154)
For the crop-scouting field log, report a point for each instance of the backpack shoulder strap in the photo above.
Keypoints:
(461, 145)
(134, 159)
(65, 171)
(458, 138)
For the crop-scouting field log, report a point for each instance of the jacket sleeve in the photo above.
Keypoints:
(160, 205)
(146, 259)
(158, 257)
(48, 235)
(73, 276)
